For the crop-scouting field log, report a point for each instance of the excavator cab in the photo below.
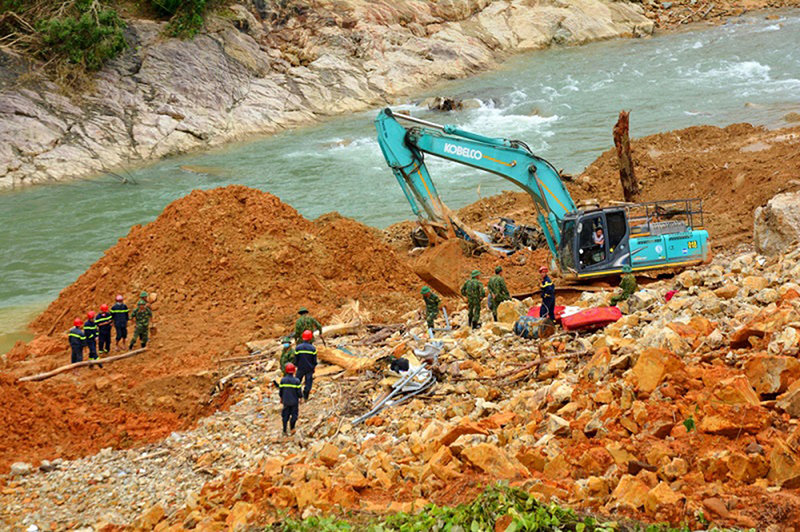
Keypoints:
(646, 236)
(593, 242)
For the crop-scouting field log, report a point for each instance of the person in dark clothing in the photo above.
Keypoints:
(289, 390)
(306, 360)
(548, 308)
(90, 328)
(103, 321)
(77, 340)
(121, 315)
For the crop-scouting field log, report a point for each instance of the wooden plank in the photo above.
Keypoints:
(85, 363)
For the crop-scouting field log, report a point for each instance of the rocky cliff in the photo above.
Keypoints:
(258, 69)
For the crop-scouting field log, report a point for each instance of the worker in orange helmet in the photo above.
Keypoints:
(306, 360)
(548, 308)
(103, 321)
(77, 340)
(291, 396)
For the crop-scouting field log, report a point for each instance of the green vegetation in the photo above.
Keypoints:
(87, 36)
(186, 17)
(520, 511)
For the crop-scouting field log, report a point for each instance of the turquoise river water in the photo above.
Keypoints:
(562, 102)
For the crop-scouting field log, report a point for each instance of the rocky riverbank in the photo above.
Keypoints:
(254, 71)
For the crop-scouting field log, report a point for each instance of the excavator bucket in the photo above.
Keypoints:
(439, 267)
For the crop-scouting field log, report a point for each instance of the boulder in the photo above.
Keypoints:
(736, 391)
(784, 466)
(688, 278)
(734, 420)
(492, 460)
(777, 224)
(329, 454)
(510, 311)
(771, 374)
(790, 402)
(476, 346)
(631, 494)
(755, 282)
(661, 495)
(557, 425)
(19, 469)
(747, 468)
(727, 291)
(642, 299)
(652, 367)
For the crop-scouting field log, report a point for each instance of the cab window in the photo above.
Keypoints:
(592, 241)
(617, 227)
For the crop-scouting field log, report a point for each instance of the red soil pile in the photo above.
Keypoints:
(227, 266)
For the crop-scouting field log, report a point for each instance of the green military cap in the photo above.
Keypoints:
(498, 269)
(143, 294)
(303, 310)
(626, 269)
(425, 290)
(475, 273)
(286, 340)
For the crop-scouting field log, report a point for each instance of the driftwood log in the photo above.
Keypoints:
(622, 141)
(342, 359)
(85, 363)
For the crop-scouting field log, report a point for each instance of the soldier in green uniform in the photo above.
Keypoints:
(474, 292)
(142, 315)
(498, 291)
(306, 323)
(628, 285)
(431, 305)
(287, 355)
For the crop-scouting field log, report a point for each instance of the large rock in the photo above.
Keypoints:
(771, 374)
(784, 466)
(19, 469)
(652, 367)
(777, 224)
(510, 311)
(492, 460)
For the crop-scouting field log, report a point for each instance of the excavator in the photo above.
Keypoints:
(586, 242)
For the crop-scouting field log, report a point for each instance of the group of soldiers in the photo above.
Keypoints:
(298, 363)
(473, 290)
(95, 333)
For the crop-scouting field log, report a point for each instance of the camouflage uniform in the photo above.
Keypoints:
(628, 285)
(305, 323)
(431, 308)
(474, 292)
(287, 356)
(142, 315)
(498, 291)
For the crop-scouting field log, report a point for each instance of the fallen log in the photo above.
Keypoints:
(343, 360)
(85, 363)
(622, 142)
(338, 330)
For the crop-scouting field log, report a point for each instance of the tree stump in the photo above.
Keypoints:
(622, 141)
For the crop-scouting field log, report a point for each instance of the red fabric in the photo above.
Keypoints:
(670, 294)
(592, 318)
(534, 311)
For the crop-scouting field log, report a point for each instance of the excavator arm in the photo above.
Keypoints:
(404, 150)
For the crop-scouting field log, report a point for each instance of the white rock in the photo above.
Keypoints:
(777, 225)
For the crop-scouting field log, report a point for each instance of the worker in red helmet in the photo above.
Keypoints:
(121, 314)
(291, 396)
(90, 328)
(548, 308)
(103, 321)
(305, 358)
(77, 340)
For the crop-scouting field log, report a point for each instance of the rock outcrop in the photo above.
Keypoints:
(258, 72)
(777, 224)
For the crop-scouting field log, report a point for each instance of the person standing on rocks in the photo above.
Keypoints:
(121, 315)
(306, 323)
(431, 305)
(142, 315)
(289, 390)
(498, 291)
(103, 321)
(548, 308)
(306, 360)
(474, 292)
(90, 329)
(628, 285)
(288, 354)
(77, 340)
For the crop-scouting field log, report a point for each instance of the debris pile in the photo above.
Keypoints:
(682, 411)
(223, 267)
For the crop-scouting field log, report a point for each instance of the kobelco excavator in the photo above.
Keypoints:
(585, 242)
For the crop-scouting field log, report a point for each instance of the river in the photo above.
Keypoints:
(562, 102)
